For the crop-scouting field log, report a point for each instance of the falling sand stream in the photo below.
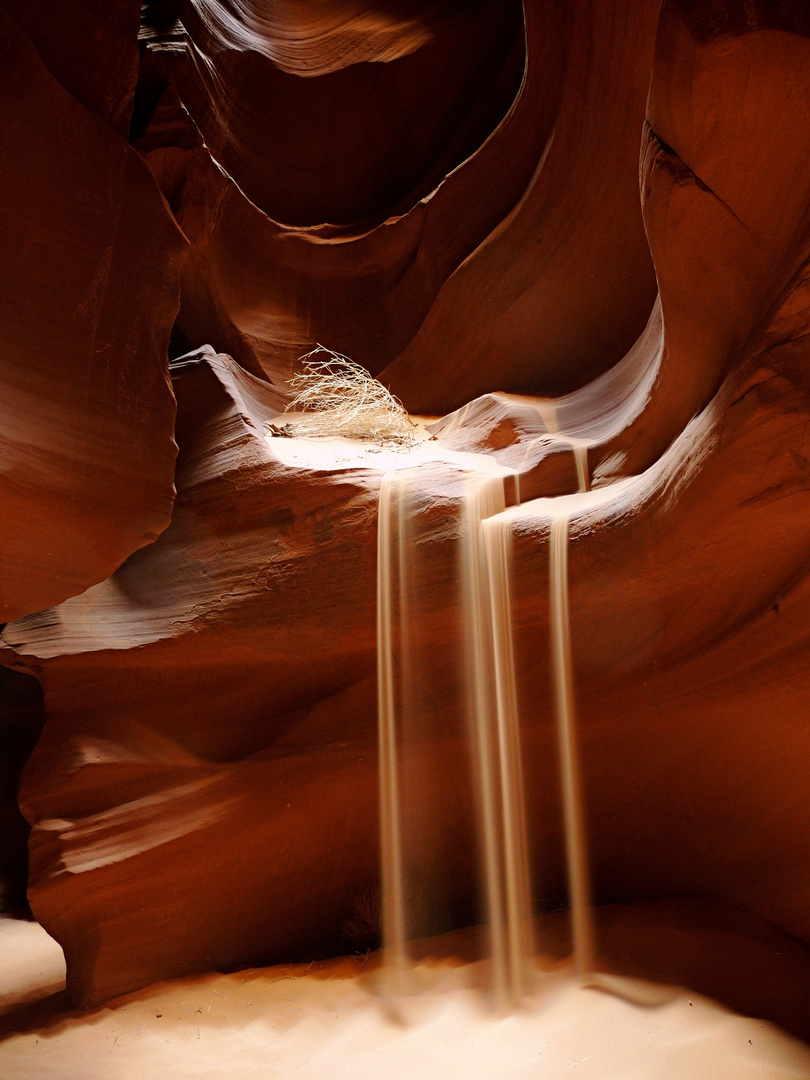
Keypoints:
(495, 736)
(493, 720)
(570, 774)
(393, 894)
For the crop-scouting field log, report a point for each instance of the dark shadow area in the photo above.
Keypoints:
(21, 720)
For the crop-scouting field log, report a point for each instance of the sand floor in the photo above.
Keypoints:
(328, 1019)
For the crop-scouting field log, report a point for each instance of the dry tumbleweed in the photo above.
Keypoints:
(336, 396)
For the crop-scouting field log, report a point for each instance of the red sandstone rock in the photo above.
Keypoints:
(725, 201)
(205, 790)
(559, 292)
(318, 37)
(88, 294)
(271, 698)
(178, 755)
(531, 324)
(90, 47)
(363, 290)
(360, 142)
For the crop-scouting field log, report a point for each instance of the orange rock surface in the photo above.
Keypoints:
(204, 792)
(88, 301)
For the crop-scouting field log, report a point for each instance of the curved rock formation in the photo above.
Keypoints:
(362, 288)
(313, 38)
(561, 289)
(363, 141)
(211, 708)
(159, 765)
(565, 154)
(88, 300)
(261, 744)
(91, 49)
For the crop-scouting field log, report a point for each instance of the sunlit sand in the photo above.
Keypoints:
(327, 1021)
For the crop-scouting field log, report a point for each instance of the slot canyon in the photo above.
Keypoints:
(524, 698)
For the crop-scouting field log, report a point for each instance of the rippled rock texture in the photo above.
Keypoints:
(588, 219)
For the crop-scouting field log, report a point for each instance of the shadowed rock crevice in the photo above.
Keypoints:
(681, 171)
(355, 142)
(21, 720)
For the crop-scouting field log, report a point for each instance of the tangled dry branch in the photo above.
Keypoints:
(336, 396)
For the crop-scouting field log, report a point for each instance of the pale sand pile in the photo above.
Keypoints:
(326, 1021)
